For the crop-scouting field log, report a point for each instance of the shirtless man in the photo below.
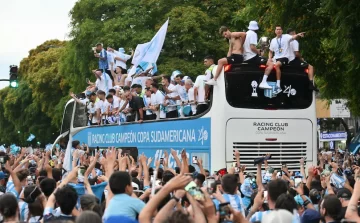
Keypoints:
(234, 56)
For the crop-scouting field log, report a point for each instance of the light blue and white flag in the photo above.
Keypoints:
(48, 147)
(143, 66)
(2, 149)
(31, 137)
(150, 51)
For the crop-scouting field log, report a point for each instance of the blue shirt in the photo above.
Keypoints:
(235, 201)
(103, 63)
(98, 189)
(124, 205)
(10, 188)
(258, 216)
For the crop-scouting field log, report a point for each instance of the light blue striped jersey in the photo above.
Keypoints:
(10, 188)
(258, 216)
(235, 201)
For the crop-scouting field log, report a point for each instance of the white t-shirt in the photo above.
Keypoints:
(128, 80)
(294, 46)
(282, 43)
(181, 91)
(191, 97)
(173, 94)
(140, 80)
(119, 63)
(200, 85)
(84, 101)
(208, 72)
(110, 58)
(251, 38)
(116, 101)
(147, 104)
(100, 104)
(104, 84)
(157, 98)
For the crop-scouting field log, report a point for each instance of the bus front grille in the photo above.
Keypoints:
(288, 153)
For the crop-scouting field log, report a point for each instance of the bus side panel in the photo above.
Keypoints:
(154, 138)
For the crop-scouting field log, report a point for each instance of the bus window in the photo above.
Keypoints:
(67, 117)
(80, 117)
(242, 90)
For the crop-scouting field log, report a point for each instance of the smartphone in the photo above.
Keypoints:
(81, 172)
(297, 181)
(3, 159)
(161, 161)
(224, 209)
(209, 182)
(195, 191)
(265, 196)
(237, 170)
(194, 160)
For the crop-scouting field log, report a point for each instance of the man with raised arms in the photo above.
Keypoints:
(235, 54)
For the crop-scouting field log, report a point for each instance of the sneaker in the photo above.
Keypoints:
(277, 90)
(264, 85)
(211, 82)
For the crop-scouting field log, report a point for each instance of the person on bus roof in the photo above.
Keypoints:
(235, 54)
(296, 60)
(280, 51)
(251, 54)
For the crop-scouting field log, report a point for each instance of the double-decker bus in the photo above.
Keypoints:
(240, 117)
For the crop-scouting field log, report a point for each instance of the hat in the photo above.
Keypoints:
(121, 50)
(310, 216)
(300, 201)
(253, 25)
(344, 193)
(122, 219)
(185, 78)
(2, 175)
(278, 216)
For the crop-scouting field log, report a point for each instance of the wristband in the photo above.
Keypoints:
(306, 203)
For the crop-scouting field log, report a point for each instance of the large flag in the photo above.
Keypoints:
(150, 51)
(143, 66)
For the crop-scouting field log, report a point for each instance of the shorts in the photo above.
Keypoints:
(298, 63)
(235, 59)
(284, 61)
(256, 60)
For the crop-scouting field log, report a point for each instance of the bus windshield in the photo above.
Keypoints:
(242, 88)
(67, 117)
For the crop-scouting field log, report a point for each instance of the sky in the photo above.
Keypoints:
(25, 24)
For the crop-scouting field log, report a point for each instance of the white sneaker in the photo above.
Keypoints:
(211, 82)
(278, 90)
(264, 85)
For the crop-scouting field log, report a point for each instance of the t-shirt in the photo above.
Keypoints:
(103, 64)
(181, 91)
(110, 59)
(124, 205)
(191, 97)
(104, 84)
(116, 102)
(136, 103)
(173, 94)
(294, 46)
(208, 72)
(98, 105)
(258, 216)
(251, 38)
(282, 43)
(157, 98)
(128, 80)
(119, 63)
(24, 210)
(235, 201)
(10, 188)
(200, 85)
(140, 80)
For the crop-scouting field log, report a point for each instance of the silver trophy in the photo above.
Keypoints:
(264, 43)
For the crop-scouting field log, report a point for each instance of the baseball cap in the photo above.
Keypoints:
(310, 216)
(2, 175)
(344, 193)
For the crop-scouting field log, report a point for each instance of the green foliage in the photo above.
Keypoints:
(54, 68)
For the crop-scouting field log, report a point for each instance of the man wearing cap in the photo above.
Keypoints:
(251, 53)
(344, 196)
(121, 58)
(296, 60)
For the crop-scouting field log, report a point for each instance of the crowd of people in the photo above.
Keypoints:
(110, 185)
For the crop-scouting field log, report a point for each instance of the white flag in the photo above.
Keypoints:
(150, 51)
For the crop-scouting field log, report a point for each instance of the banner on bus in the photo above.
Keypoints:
(333, 136)
(186, 133)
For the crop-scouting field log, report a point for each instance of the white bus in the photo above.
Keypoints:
(240, 117)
